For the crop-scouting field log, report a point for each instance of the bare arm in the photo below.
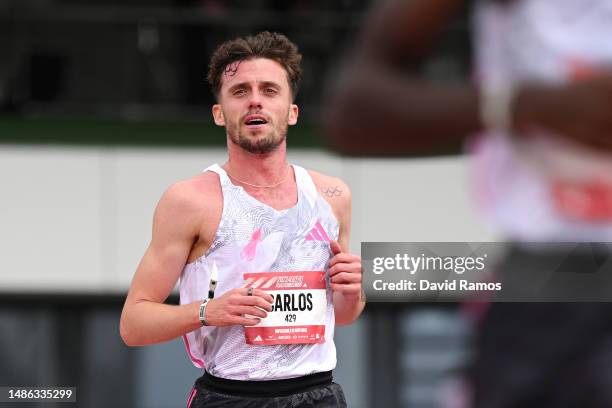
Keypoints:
(378, 109)
(145, 319)
(178, 221)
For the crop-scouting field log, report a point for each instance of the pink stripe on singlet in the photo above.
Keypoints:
(191, 397)
(322, 232)
(199, 362)
(315, 235)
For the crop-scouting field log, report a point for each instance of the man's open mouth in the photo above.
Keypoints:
(255, 120)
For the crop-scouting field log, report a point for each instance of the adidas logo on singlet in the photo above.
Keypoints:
(317, 234)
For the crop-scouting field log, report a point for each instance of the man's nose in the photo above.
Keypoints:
(255, 100)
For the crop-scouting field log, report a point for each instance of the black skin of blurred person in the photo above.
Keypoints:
(379, 109)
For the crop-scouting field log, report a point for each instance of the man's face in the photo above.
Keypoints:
(255, 105)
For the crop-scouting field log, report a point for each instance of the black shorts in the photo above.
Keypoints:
(316, 390)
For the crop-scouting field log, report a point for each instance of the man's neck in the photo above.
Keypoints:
(257, 169)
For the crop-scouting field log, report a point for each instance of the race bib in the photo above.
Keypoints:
(298, 312)
(591, 200)
(583, 201)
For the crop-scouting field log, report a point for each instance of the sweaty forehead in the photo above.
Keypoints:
(254, 70)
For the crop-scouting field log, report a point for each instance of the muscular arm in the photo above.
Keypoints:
(188, 213)
(145, 318)
(379, 109)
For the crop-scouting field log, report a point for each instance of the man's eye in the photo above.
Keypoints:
(270, 91)
(239, 92)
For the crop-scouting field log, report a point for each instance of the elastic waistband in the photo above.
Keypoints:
(264, 389)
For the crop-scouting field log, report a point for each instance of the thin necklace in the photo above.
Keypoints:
(259, 186)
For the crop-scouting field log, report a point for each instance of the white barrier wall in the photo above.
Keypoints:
(79, 219)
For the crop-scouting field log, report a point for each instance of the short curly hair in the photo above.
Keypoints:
(268, 45)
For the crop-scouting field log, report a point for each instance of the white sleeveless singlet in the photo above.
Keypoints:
(253, 237)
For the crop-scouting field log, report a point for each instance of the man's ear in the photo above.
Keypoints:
(293, 114)
(217, 113)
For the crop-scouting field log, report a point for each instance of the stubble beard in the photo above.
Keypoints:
(258, 144)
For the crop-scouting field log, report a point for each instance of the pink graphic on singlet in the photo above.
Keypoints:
(317, 234)
(249, 251)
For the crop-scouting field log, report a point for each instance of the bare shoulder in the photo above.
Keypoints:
(334, 190)
(192, 198)
(195, 193)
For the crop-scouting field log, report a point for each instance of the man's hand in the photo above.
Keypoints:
(231, 308)
(345, 272)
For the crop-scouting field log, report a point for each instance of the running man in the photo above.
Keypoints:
(261, 251)
(541, 100)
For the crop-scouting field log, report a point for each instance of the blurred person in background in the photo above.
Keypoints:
(235, 231)
(540, 103)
